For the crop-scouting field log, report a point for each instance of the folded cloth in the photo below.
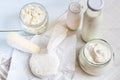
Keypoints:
(4, 66)
(66, 51)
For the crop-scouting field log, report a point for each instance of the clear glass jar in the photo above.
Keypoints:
(90, 66)
(36, 28)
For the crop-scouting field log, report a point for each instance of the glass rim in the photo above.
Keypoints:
(73, 11)
(41, 7)
(102, 64)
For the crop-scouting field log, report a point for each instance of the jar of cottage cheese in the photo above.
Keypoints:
(34, 18)
(96, 57)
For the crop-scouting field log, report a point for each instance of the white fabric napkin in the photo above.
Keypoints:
(66, 52)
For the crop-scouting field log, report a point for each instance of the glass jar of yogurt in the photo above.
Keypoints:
(34, 18)
(96, 57)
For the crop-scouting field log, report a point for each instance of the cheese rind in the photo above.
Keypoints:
(21, 43)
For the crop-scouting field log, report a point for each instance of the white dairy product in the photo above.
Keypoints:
(73, 16)
(32, 15)
(96, 57)
(35, 30)
(47, 62)
(44, 64)
(34, 18)
(97, 52)
(21, 43)
(92, 20)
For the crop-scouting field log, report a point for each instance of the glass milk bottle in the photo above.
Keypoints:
(73, 16)
(92, 20)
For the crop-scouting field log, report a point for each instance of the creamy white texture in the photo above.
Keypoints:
(35, 30)
(34, 18)
(96, 57)
(97, 52)
(32, 15)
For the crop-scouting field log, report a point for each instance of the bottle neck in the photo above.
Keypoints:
(92, 13)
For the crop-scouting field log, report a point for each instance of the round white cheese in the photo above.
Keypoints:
(44, 64)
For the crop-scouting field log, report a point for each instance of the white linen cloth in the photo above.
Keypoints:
(66, 51)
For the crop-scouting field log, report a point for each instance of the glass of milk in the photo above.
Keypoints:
(34, 18)
(96, 57)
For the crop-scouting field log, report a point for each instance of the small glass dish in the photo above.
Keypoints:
(32, 21)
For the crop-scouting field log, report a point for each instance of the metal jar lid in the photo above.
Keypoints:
(95, 5)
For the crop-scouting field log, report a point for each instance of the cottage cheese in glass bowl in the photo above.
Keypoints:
(34, 18)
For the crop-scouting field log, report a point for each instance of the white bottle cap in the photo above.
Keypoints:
(95, 5)
(75, 7)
